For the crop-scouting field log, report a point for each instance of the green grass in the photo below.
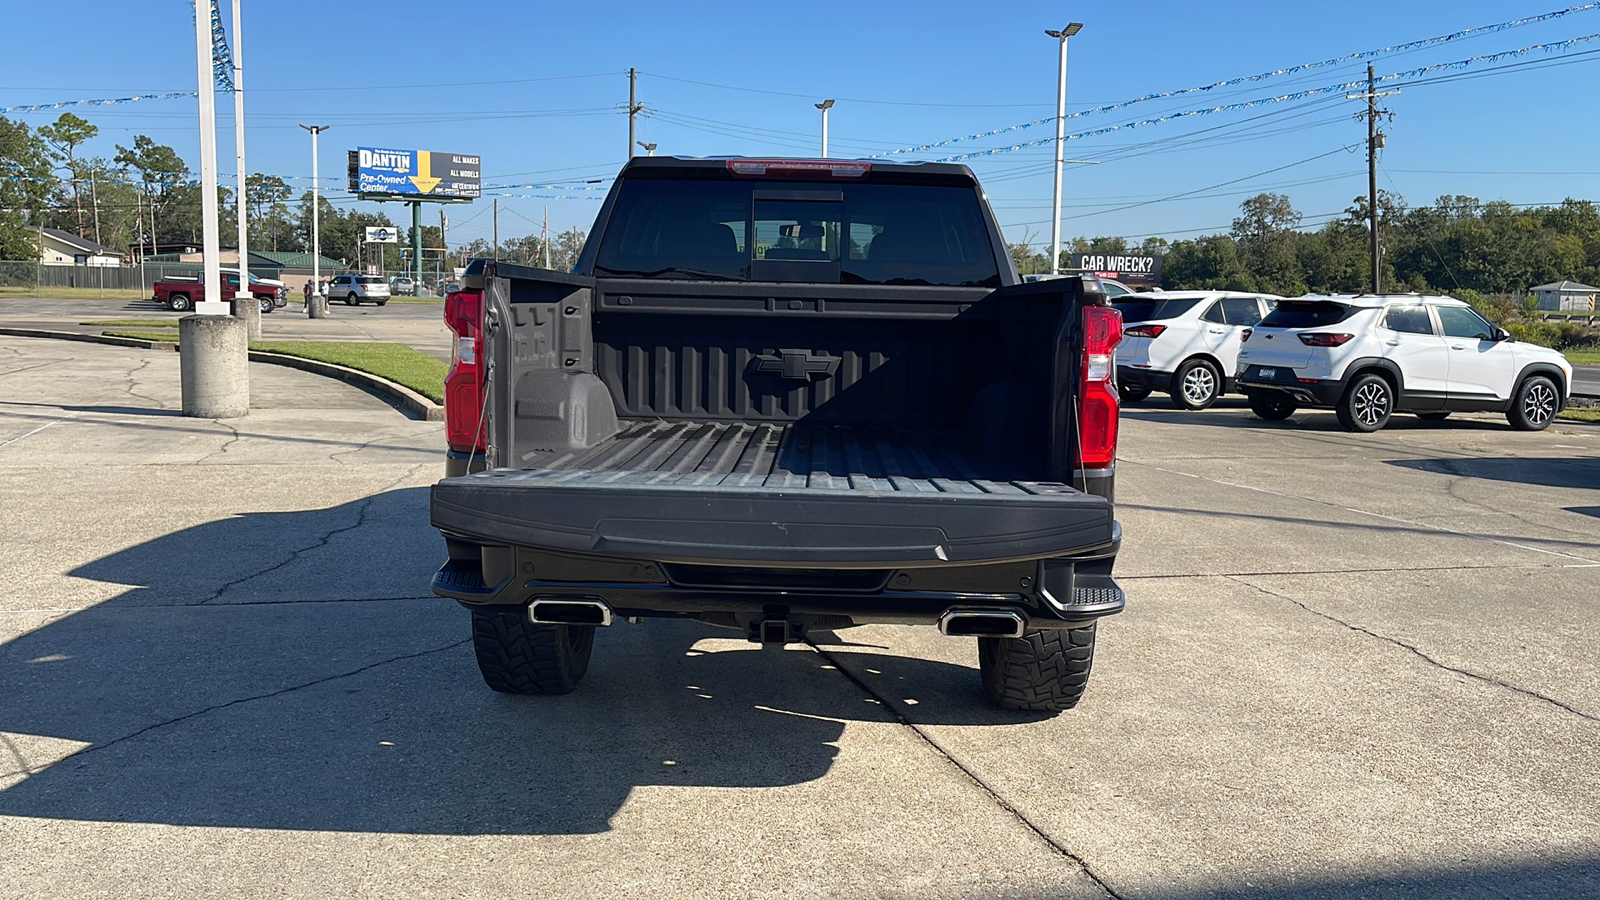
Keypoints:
(1583, 357)
(57, 293)
(1579, 415)
(134, 323)
(437, 301)
(395, 362)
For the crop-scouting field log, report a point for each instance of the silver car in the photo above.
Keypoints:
(357, 289)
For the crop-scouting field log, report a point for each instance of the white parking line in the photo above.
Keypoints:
(37, 430)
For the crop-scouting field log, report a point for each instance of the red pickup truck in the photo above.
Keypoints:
(182, 295)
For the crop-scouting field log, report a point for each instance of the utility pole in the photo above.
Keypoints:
(211, 262)
(1374, 143)
(544, 236)
(824, 106)
(1061, 139)
(444, 245)
(94, 200)
(496, 230)
(633, 106)
(238, 151)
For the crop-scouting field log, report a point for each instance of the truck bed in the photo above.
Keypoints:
(775, 494)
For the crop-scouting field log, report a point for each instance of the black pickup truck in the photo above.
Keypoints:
(785, 396)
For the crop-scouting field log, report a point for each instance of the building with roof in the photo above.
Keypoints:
(63, 248)
(1566, 296)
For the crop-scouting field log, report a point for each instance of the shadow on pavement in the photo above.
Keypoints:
(1579, 473)
(276, 705)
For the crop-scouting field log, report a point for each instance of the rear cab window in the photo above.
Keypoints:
(1307, 314)
(1136, 310)
(798, 231)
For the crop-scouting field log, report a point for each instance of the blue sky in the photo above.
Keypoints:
(538, 90)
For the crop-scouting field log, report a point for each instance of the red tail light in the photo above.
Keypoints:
(1097, 390)
(1149, 331)
(463, 383)
(1324, 339)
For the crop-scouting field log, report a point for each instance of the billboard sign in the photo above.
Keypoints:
(382, 235)
(1140, 271)
(414, 174)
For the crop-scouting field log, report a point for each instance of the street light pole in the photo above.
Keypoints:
(824, 106)
(212, 277)
(238, 141)
(1061, 140)
(316, 223)
(648, 148)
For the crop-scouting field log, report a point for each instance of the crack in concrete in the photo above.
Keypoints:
(971, 776)
(237, 435)
(16, 753)
(134, 382)
(323, 541)
(251, 699)
(1417, 652)
(78, 611)
(1505, 542)
(1382, 570)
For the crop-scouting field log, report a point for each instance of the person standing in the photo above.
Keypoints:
(308, 297)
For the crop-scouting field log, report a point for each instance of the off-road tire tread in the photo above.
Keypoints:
(516, 656)
(1042, 670)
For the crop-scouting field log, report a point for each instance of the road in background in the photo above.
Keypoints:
(1586, 380)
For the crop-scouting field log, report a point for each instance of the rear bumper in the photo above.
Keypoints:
(1154, 379)
(1063, 592)
(1318, 392)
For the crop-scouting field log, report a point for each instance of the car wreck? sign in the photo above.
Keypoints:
(1144, 271)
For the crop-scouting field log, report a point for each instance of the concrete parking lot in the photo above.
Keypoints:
(1351, 666)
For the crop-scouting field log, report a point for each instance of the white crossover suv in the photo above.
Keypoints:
(1371, 355)
(1185, 343)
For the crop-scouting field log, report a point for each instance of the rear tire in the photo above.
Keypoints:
(1535, 404)
(1042, 670)
(178, 302)
(517, 656)
(351, 300)
(1270, 406)
(381, 302)
(1196, 385)
(1132, 393)
(1366, 405)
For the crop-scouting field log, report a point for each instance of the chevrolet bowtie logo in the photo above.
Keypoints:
(797, 364)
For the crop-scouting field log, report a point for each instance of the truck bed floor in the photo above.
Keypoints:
(826, 458)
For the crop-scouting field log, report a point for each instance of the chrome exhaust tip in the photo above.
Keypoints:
(569, 611)
(982, 623)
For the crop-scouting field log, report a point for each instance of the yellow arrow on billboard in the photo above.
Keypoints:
(424, 179)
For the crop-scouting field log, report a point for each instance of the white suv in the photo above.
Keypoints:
(1185, 343)
(1372, 355)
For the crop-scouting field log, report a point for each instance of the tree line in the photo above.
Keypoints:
(1457, 245)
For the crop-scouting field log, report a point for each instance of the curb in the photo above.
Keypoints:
(413, 404)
